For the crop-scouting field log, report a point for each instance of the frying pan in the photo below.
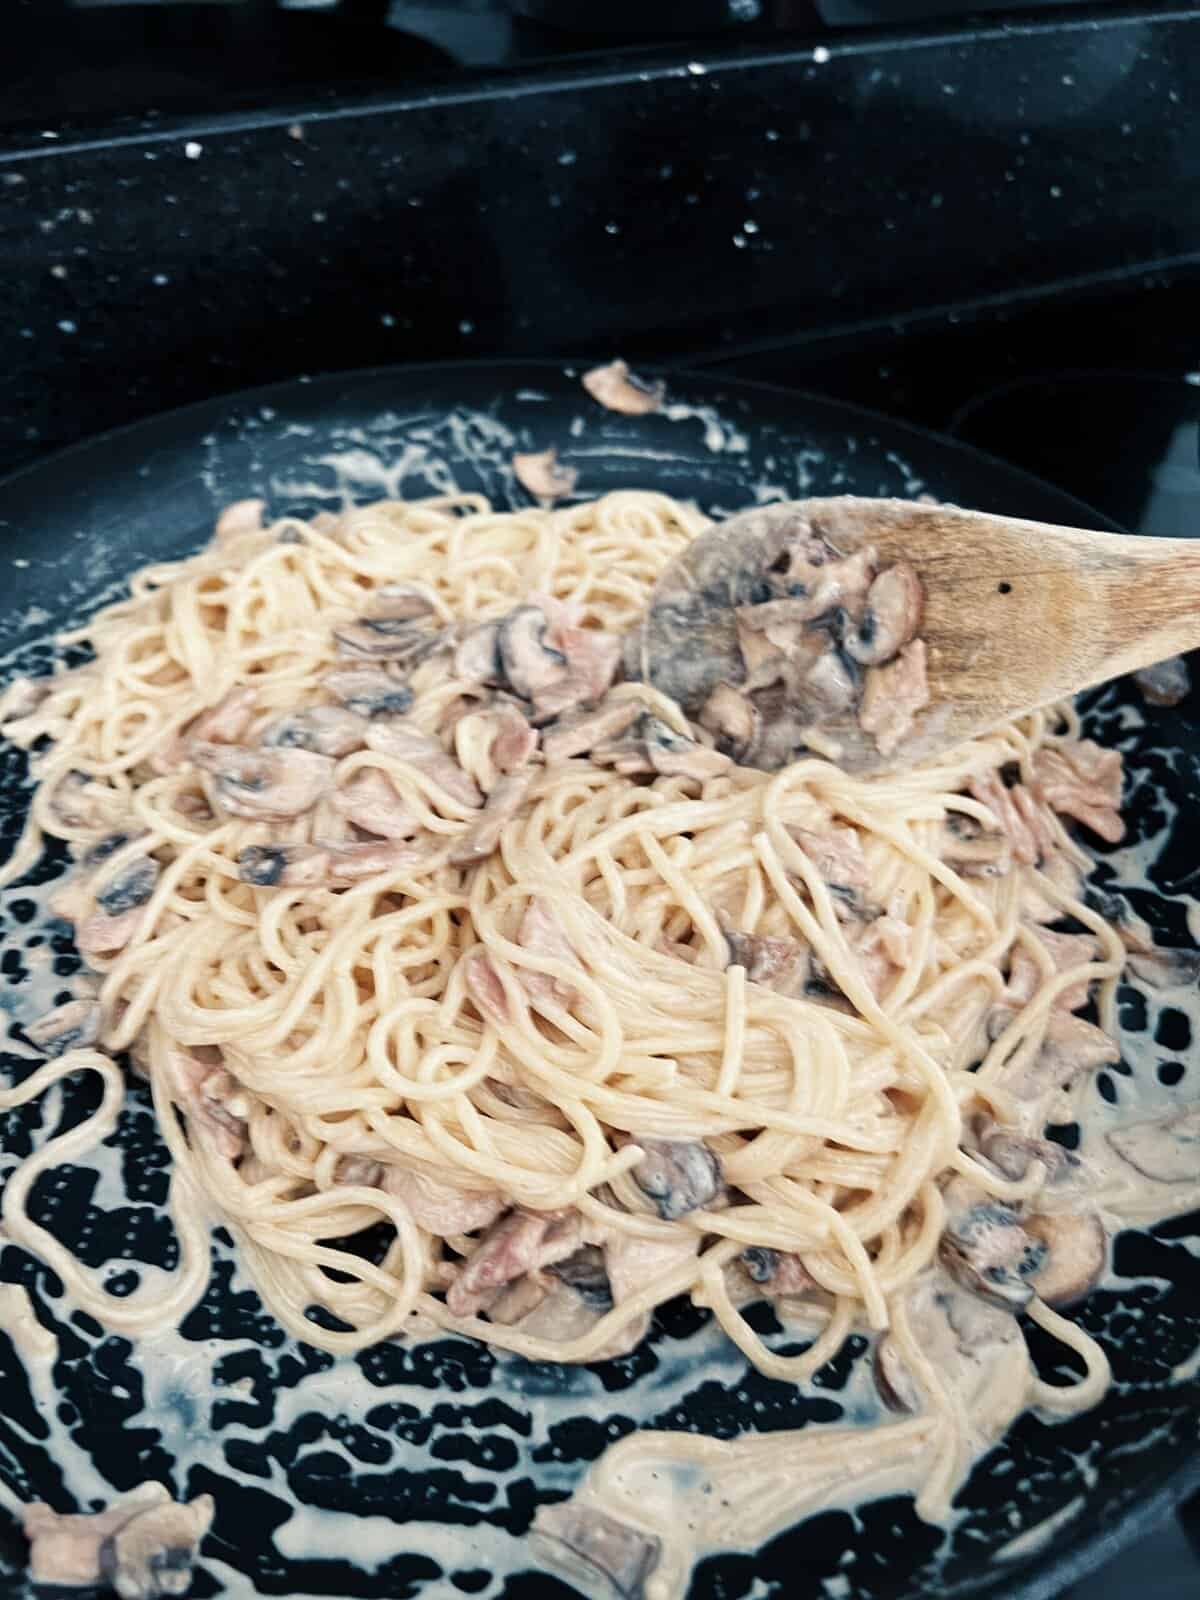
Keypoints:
(423, 1466)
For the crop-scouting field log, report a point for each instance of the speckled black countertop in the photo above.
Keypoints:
(804, 206)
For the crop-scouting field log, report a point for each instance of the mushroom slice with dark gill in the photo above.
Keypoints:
(779, 1274)
(369, 691)
(678, 1175)
(1161, 966)
(481, 838)
(780, 964)
(1068, 1179)
(73, 1026)
(292, 866)
(544, 475)
(651, 747)
(1165, 1149)
(617, 389)
(265, 785)
(733, 719)
(592, 1548)
(985, 1248)
(531, 664)
(143, 1546)
(131, 886)
(326, 730)
(891, 617)
(397, 639)
(585, 1272)
(477, 656)
(1076, 1252)
(1166, 683)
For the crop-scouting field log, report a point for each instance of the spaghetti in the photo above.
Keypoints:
(458, 1034)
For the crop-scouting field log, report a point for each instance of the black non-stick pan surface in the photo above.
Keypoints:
(401, 1438)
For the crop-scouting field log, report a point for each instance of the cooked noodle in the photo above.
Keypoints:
(350, 1018)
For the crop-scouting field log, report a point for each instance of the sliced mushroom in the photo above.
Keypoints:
(22, 697)
(477, 657)
(1067, 1176)
(892, 616)
(964, 1337)
(520, 1242)
(780, 964)
(72, 1550)
(482, 837)
(395, 639)
(591, 1548)
(1071, 1047)
(587, 1274)
(103, 935)
(241, 517)
(73, 1026)
(1066, 951)
(228, 720)
(832, 685)
(837, 854)
(1083, 780)
(152, 1555)
(267, 866)
(592, 661)
(1166, 683)
(325, 730)
(678, 1175)
(779, 1273)
(651, 746)
(986, 1250)
(1076, 1252)
(617, 389)
(892, 697)
(426, 756)
(1166, 968)
(543, 474)
(371, 802)
(577, 734)
(777, 641)
(734, 719)
(967, 848)
(369, 691)
(265, 785)
(531, 664)
(1165, 1149)
(80, 801)
(402, 602)
(97, 854)
(132, 886)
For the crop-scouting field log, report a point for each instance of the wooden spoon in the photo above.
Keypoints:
(1016, 614)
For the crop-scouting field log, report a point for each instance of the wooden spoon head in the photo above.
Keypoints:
(1013, 618)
